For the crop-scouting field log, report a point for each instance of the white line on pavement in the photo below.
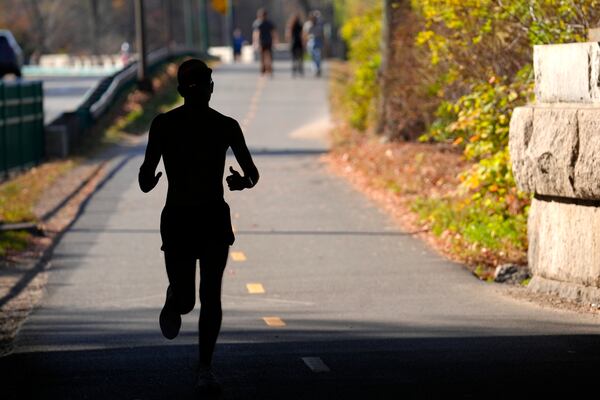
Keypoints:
(315, 364)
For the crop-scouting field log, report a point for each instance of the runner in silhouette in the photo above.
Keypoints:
(195, 222)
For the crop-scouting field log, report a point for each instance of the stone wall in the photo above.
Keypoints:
(555, 152)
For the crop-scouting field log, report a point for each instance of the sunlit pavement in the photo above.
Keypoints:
(324, 296)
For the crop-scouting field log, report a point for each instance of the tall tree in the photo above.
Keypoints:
(95, 24)
(386, 43)
(33, 8)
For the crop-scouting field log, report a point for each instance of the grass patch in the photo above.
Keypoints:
(475, 225)
(20, 194)
(13, 241)
(476, 234)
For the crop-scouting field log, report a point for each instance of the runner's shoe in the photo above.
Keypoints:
(169, 320)
(207, 381)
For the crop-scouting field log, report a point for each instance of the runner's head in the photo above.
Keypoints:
(194, 80)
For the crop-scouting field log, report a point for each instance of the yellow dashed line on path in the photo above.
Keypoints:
(274, 322)
(254, 100)
(255, 288)
(238, 256)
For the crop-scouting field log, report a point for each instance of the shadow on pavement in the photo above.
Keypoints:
(119, 357)
(127, 153)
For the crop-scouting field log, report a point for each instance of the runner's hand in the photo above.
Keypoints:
(235, 181)
(148, 182)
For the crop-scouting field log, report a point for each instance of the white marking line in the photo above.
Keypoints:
(315, 364)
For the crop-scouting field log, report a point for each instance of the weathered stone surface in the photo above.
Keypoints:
(521, 128)
(566, 290)
(564, 242)
(587, 166)
(555, 150)
(543, 163)
(567, 72)
(594, 35)
(550, 151)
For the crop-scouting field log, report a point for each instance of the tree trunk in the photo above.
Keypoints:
(95, 22)
(38, 22)
(383, 125)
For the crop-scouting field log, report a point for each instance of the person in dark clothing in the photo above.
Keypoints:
(294, 33)
(195, 222)
(264, 37)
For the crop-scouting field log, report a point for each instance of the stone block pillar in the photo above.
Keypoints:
(555, 152)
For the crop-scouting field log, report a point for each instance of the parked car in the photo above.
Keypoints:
(11, 55)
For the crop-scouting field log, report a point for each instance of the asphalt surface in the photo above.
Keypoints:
(369, 311)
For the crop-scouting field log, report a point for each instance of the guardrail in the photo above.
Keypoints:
(67, 130)
(21, 125)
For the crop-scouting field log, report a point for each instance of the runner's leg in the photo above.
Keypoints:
(181, 271)
(212, 266)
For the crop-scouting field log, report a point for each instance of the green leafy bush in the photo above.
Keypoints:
(362, 34)
(479, 123)
(477, 68)
(482, 52)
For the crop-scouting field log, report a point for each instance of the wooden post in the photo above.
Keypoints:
(144, 83)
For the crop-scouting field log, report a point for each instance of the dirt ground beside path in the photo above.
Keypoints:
(23, 275)
(394, 174)
(405, 171)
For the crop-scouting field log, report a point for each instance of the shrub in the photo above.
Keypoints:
(362, 34)
(482, 52)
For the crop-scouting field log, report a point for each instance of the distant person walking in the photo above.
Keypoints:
(195, 221)
(238, 43)
(125, 53)
(264, 37)
(294, 37)
(315, 37)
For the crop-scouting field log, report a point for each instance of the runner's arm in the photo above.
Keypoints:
(146, 178)
(244, 158)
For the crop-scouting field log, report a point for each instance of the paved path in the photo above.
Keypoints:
(369, 311)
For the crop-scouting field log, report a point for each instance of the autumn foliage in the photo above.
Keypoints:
(457, 70)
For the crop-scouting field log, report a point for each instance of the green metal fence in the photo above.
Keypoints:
(21, 124)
